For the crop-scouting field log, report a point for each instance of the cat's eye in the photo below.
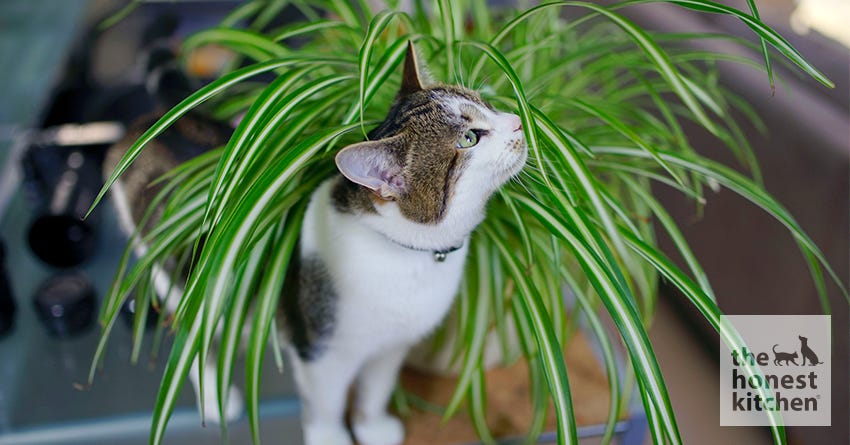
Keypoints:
(469, 139)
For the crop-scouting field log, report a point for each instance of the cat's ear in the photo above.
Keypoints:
(415, 76)
(373, 165)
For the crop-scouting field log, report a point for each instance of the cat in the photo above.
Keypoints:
(807, 352)
(383, 247)
(381, 251)
(786, 357)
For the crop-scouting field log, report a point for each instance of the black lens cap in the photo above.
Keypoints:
(66, 304)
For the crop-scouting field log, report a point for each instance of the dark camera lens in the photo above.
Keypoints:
(61, 240)
(65, 304)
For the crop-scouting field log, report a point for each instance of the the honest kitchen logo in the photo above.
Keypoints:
(793, 354)
(745, 399)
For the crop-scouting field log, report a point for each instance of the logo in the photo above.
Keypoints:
(778, 367)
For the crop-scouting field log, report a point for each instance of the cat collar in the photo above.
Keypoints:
(439, 255)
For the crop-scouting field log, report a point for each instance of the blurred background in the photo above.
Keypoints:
(752, 263)
(68, 89)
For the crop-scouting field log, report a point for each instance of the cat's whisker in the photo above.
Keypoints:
(532, 166)
(482, 82)
(531, 179)
(474, 82)
(518, 180)
(530, 183)
(526, 174)
(459, 69)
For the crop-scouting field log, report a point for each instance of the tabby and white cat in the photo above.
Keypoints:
(382, 251)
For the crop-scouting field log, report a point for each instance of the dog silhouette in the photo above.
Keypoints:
(786, 357)
(807, 352)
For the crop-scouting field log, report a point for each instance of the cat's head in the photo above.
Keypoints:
(439, 155)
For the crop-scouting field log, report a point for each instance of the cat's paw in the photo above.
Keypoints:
(232, 411)
(325, 434)
(383, 430)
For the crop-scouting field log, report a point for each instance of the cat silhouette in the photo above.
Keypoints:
(807, 352)
(786, 357)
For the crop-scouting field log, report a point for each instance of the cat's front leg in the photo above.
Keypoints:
(372, 424)
(323, 386)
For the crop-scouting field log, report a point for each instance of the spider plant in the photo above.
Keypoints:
(602, 102)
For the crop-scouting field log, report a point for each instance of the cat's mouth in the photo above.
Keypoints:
(517, 154)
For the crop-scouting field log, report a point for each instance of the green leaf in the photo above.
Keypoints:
(749, 190)
(376, 27)
(479, 321)
(525, 112)
(539, 398)
(183, 352)
(675, 235)
(240, 13)
(548, 347)
(629, 133)
(191, 102)
(234, 323)
(711, 312)
(449, 24)
(609, 359)
(573, 164)
(763, 31)
(250, 43)
(265, 309)
(301, 29)
(621, 307)
(478, 406)
(246, 148)
(661, 60)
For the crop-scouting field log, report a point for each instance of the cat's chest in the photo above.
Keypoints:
(394, 276)
(391, 293)
(383, 290)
